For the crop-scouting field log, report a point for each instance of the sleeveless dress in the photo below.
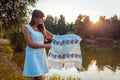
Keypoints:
(65, 52)
(35, 59)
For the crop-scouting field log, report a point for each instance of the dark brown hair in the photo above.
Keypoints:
(36, 13)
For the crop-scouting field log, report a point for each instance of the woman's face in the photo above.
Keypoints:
(38, 20)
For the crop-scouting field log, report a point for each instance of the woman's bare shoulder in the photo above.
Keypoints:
(25, 29)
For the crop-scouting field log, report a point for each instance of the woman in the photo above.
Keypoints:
(35, 34)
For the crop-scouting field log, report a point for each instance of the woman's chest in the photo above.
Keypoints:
(37, 35)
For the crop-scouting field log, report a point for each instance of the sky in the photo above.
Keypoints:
(71, 9)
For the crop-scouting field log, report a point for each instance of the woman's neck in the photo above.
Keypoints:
(35, 25)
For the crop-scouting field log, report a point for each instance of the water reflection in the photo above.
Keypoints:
(93, 73)
(72, 73)
(105, 56)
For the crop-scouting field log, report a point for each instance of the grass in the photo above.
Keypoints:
(8, 69)
(4, 42)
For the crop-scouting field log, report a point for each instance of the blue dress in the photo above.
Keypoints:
(35, 59)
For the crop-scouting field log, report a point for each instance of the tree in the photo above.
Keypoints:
(87, 27)
(70, 28)
(49, 23)
(83, 25)
(13, 15)
(61, 27)
(15, 12)
(115, 27)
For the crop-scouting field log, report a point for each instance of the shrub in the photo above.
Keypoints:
(17, 40)
(8, 50)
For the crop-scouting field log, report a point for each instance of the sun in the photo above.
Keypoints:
(93, 19)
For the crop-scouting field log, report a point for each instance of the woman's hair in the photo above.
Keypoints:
(37, 14)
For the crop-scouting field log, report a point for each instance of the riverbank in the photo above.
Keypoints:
(101, 42)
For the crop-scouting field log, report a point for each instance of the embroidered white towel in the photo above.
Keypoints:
(65, 52)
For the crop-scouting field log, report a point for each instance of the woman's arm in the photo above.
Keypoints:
(29, 41)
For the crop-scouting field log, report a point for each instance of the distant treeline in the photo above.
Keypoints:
(103, 28)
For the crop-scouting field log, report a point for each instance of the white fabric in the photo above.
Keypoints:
(65, 51)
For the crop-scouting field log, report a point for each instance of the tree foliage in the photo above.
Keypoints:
(103, 28)
(83, 26)
(13, 13)
(58, 25)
